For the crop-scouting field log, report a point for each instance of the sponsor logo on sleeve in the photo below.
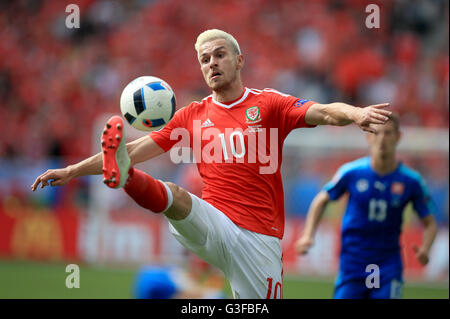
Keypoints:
(300, 102)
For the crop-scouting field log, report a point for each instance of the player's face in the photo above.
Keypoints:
(383, 143)
(219, 63)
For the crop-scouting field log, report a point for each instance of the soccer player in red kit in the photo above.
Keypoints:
(236, 135)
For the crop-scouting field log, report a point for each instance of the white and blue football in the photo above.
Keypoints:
(148, 103)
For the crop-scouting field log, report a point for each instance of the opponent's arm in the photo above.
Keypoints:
(313, 218)
(429, 234)
(341, 114)
(140, 150)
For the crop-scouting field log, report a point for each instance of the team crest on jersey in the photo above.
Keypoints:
(253, 115)
(397, 188)
(362, 185)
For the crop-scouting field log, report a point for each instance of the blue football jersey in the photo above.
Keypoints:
(373, 218)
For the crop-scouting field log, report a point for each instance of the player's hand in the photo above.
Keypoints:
(421, 255)
(370, 115)
(52, 177)
(303, 245)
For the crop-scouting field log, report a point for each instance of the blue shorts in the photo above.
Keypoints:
(357, 289)
(383, 273)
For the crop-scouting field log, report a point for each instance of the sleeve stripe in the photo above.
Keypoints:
(256, 91)
(422, 184)
(277, 92)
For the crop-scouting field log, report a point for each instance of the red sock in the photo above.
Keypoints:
(146, 191)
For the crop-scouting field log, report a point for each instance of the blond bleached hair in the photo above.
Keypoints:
(214, 34)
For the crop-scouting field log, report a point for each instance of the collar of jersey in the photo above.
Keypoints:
(244, 96)
(397, 168)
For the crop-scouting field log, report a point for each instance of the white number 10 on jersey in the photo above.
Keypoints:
(232, 145)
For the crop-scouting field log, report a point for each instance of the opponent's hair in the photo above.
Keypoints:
(214, 34)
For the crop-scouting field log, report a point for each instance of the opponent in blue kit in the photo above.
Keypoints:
(379, 189)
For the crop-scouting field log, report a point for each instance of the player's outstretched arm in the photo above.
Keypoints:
(429, 234)
(313, 218)
(140, 150)
(341, 114)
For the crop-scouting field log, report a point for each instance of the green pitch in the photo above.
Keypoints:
(23, 279)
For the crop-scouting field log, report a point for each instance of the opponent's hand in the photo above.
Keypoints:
(303, 245)
(58, 177)
(421, 255)
(368, 116)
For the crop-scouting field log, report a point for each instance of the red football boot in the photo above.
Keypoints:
(116, 161)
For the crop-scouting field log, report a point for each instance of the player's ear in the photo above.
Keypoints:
(240, 61)
(399, 136)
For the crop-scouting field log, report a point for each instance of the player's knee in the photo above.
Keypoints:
(182, 203)
(178, 192)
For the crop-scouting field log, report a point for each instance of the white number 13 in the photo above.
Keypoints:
(377, 210)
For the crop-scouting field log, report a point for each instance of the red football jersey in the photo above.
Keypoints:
(238, 148)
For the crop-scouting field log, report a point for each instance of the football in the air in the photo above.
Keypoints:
(148, 103)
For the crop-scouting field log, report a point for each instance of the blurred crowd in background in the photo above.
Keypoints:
(55, 82)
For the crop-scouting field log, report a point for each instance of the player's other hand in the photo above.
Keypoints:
(421, 255)
(371, 115)
(52, 177)
(303, 245)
